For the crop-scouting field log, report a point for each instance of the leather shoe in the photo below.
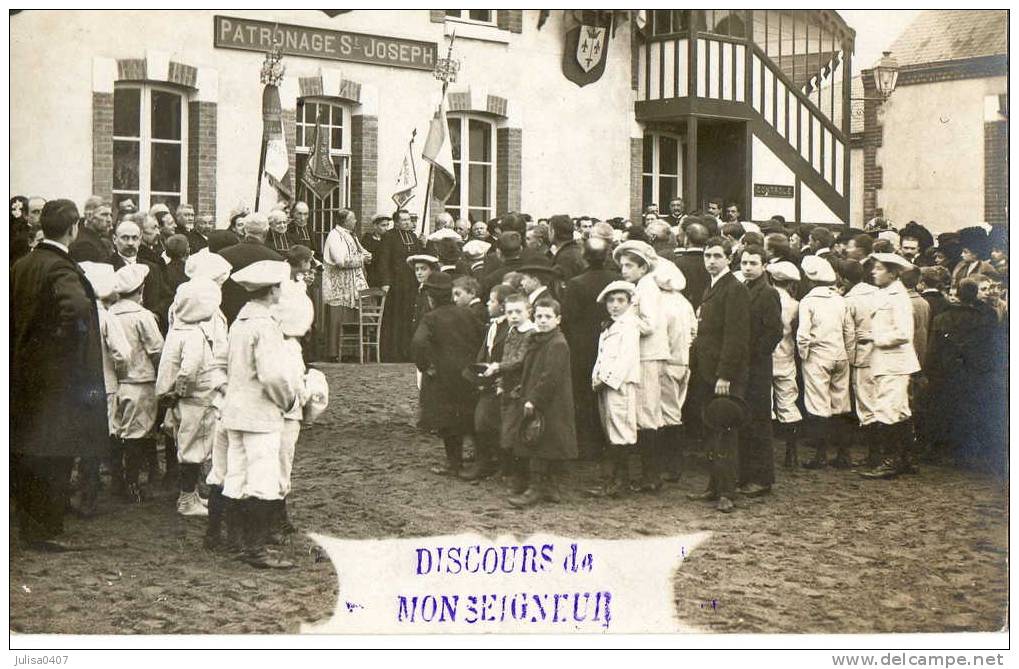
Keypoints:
(706, 496)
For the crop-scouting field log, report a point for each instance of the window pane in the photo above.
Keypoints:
(648, 193)
(454, 199)
(668, 153)
(480, 141)
(649, 162)
(165, 167)
(453, 12)
(300, 135)
(454, 136)
(310, 111)
(170, 201)
(680, 20)
(337, 139)
(666, 189)
(474, 215)
(125, 165)
(481, 14)
(165, 115)
(479, 180)
(663, 21)
(126, 107)
(337, 115)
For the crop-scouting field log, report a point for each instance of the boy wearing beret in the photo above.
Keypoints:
(136, 393)
(614, 378)
(259, 392)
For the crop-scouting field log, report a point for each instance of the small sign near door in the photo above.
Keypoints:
(773, 190)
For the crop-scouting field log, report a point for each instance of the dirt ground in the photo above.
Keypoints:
(826, 552)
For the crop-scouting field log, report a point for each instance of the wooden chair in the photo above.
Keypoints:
(371, 304)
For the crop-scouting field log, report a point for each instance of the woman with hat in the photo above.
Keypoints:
(893, 360)
(396, 278)
(975, 247)
(342, 277)
(445, 343)
(636, 263)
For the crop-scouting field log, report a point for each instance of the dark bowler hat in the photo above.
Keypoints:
(438, 282)
(538, 268)
(725, 412)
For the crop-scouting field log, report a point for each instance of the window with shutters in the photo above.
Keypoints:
(334, 119)
(150, 130)
(473, 142)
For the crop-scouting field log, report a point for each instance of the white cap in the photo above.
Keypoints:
(783, 270)
(669, 277)
(131, 277)
(197, 300)
(616, 287)
(207, 265)
(422, 257)
(891, 259)
(641, 249)
(476, 249)
(262, 274)
(318, 395)
(818, 269)
(102, 277)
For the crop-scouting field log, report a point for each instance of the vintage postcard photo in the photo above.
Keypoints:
(509, 321)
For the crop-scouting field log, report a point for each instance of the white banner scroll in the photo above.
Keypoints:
(467, 583)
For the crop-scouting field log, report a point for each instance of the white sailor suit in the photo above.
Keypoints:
(616, 375)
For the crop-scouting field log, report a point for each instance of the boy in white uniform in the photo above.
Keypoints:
(615, 377)
(259, 391)
(295, 314)
(681, 327)
(116, 352)
(823, 337)
(785, 389)
(191, 380)
(136, 394)
(212, 266)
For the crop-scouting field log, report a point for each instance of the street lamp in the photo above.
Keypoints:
(886, 74)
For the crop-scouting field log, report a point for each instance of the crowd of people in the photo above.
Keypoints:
(538, 341)
(124, 335)
(684, 333)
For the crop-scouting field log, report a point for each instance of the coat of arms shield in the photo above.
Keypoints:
(590, 45)
(587, 42)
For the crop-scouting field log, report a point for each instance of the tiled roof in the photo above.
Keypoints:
(940, 35)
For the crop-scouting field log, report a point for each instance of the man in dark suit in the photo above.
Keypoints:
(155, 295)
(583, 317)
(249, 250)
(93, 241)
(568, 256)
(151, 247)
(510, 258)
(718, 360)
(756, 460)
(58, 396)
(690, 261)
(676, 210)
(198, 238)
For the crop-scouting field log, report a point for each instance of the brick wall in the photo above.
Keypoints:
(510, 19)
(996, 172)
(201, 158)
(873, 177)
(102, 144)
(509, 142)
(364, 168)
(636, 167)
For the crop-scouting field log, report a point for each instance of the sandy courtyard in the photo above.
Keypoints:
(827, 552)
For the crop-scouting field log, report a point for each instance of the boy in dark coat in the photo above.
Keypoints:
(545, 389)
(445, 342)
(487, 412)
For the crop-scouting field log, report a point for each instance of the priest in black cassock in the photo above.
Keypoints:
(396, 277)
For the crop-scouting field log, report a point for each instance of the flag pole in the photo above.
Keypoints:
(447, 74)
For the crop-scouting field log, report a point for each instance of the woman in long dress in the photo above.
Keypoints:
(342, 278)
(397, 278)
